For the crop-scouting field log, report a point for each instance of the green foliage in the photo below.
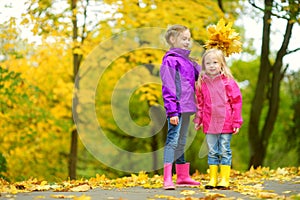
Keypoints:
(8, 83)
(3, 166)
(279, 153)
(282, 148)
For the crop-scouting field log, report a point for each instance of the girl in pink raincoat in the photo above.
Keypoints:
(219, 105)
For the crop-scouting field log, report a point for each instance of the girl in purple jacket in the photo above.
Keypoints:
(219, 104)
(178, 74)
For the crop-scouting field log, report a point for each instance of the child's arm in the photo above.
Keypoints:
(174, 120)
(236, 130)
(199, 104)
(168, 73)
(236, 104)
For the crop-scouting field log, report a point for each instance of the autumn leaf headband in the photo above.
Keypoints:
(222, 36)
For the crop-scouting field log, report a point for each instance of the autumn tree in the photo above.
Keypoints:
(265, 104)
(72, 22)
(31, 119)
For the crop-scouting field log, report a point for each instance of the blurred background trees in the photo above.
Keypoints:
(37, 133)
(265, 104)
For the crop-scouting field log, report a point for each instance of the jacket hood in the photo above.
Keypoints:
(179, 52)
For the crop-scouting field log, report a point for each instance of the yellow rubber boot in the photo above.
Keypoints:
(213, 174)
(225, 174)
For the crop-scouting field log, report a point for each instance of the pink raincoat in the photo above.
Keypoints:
(219, 105)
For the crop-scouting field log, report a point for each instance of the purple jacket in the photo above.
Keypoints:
(219, 105)
(178, 74)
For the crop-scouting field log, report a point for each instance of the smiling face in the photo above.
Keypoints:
(183, 40)
(212, 64)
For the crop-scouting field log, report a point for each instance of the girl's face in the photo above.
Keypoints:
(183, 40)
(212, 65)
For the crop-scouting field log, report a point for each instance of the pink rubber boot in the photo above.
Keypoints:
(168, 183)
(183, 176)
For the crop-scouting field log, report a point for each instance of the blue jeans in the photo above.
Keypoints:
(219, 152)
(176, 140)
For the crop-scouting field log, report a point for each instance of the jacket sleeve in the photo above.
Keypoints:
(235, 98)
(199, 104)
(168, 73)
(197, 69)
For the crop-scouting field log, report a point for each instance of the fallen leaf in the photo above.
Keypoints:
(61, 196)
(80, 188)
(83, 197)
(187, 192)
(267, 195)
(215, 195)
(286, 192)
(40, 188)
(40, 197)
(161, 196)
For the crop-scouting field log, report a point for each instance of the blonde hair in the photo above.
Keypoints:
(221, 58)
(174, 31)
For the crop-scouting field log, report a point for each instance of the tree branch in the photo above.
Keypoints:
(284, 71)
(220, 3)
(84, 24)
(292, 51)
(252, 2)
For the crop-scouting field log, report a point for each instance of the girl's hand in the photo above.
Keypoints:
(198, 126)
(174, 120)
(235, 130)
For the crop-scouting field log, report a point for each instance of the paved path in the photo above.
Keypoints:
(267, 190)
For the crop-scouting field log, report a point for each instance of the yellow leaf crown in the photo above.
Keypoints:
(223, 37)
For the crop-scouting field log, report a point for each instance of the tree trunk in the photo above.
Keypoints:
(267, 90)
(274, 91)
(257, 148)
(154, 147)
(73, 155)
(76, 63)
(157, 138)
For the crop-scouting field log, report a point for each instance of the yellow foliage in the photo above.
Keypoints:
(222, 36)
(164, 13)
(150, 93)
(29, 141)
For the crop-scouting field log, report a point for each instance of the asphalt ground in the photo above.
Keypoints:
(267, 190)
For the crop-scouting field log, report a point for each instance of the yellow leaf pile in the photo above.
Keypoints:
(249, 183)
(222, 36)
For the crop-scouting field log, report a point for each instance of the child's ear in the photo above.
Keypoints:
(172, 39)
